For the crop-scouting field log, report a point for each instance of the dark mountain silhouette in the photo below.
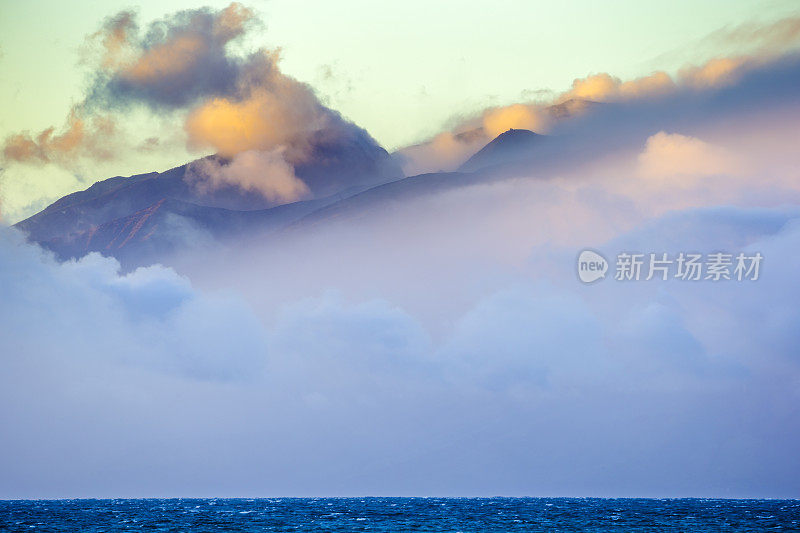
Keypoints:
(120, 213)
(169, 225)
(506, 148)
(476, 135)
(144, 218)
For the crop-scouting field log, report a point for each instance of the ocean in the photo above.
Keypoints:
(401, 514)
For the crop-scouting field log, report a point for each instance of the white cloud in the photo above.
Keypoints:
(265, 172)
(675, 156)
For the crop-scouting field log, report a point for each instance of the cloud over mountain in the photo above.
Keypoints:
(766, 43)
(266, 172)
(228, 101)
(179, 59)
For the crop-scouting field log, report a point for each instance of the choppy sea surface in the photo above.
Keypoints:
(401, 514)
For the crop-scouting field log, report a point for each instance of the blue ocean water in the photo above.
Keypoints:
(401, 514)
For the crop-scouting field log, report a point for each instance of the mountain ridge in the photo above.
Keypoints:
(146, 216)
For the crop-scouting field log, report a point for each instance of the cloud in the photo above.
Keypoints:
(114, 38)
(266, 172)
(604, 88)
(715, 72)
(519, 337)
(759, 43)
(774, 40)
(373, 334)
(671, 155)
(446, 151)
(271, 109)
(449, 149)
(763, 39)
(189, 68)
(517, 116)
(83, 136)
(234, 102)
(151, 318)
(180, 59)
(185, 64)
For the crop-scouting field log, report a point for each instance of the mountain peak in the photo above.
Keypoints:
(509, 146)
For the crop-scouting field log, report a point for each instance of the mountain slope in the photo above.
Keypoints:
(169, 225)
(145, 218)
(329, 166)
(509, 147)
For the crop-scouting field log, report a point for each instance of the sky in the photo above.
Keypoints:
(437, 343)
(399, 72)
(403, 73)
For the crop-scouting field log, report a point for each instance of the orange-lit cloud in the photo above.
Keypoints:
(715, 72)
(175, 56)
(233, 103)
(449, 149)
(759, 43)
(272, 109)
(446, 151)
(606, 88)
(180, 59)
(183, 48)
(443, 151)
(517, 116)
(230, 103)
(81, 137)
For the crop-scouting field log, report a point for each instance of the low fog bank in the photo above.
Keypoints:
(143, 385)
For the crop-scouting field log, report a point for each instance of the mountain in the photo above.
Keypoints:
(127, 216)
(150, 234)
(144, 218)
(331, 163)
(471, 137)
(506, 148)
